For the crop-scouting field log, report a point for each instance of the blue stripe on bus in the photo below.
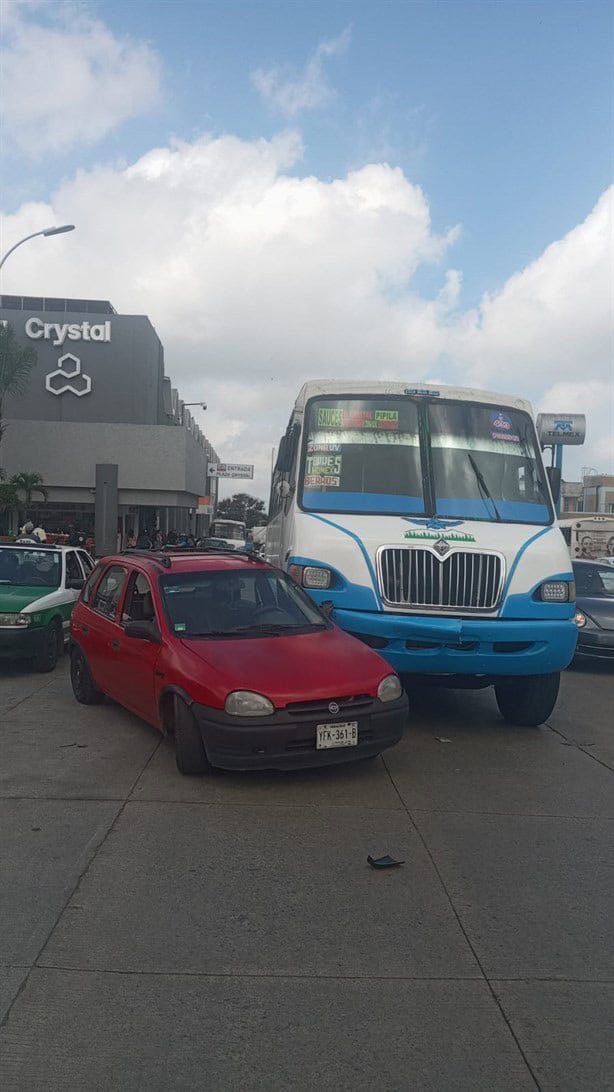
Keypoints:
(361, 547)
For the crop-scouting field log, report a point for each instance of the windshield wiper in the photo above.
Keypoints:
(269, 629)
(479, 477)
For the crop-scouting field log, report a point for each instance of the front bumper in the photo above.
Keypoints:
(430, 645)
(17, 642)
(287, 740)
(598, 644)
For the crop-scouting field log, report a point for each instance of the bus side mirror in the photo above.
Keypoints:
(554, 477)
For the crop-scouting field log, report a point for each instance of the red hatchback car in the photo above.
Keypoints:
(229, 655)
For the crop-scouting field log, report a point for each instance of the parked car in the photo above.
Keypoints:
(39, 586)
(595, 609)
(231, 656)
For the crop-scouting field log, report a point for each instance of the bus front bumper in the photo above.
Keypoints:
(464, 646)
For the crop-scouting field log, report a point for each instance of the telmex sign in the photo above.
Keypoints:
(58, 332)
(561, 428)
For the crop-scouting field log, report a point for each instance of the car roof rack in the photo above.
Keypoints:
(164, 557)
(32, 545)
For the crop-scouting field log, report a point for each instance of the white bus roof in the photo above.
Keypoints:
(366, 387)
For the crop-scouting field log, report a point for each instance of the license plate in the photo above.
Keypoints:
(337, 735)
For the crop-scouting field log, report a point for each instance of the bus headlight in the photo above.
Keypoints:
(558, 591)
(316, 577)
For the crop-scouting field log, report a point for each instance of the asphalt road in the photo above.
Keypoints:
(166, 933)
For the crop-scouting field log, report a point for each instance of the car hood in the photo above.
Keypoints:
(298, 667)
(13, 598)
(601, 610)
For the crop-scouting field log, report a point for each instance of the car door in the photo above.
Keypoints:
(139, 656)
(102, 633)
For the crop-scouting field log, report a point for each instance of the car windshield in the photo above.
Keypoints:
(231, 603)
(594, 581)
(27, 567)
(454, 459)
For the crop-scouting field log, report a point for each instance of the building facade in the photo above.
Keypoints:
(98, 396)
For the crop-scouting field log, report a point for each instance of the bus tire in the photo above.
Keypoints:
(527, 700)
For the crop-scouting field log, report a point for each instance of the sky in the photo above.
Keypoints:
(299, 190)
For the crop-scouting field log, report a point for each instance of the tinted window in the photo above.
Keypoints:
(233, 603)
(108, 592)
(594, 580)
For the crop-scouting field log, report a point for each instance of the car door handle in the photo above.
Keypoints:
(115, 644)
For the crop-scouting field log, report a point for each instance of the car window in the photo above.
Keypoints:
(594, 580)
(139, 604)
(228, 602)
(73, 569)
(108, 592)
(86, 562)
(90, 584)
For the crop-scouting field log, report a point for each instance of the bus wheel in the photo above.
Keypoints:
(527, 700)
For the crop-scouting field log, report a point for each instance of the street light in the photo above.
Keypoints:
(203, 406)
(46, 231)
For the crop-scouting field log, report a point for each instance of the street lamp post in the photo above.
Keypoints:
(46, 231)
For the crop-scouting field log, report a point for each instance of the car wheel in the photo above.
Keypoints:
(81, 678)
(190, 754)
(527, 700)
(51, 645)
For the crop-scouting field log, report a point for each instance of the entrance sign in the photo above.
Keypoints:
(561, 428)
(231, 470)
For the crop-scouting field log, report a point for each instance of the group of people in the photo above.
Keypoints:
(158, 540)
(32, 536)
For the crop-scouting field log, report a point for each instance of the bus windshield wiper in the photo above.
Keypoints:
(479, 477)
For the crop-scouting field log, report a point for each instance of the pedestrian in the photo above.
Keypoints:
(158, 539)
(131, 541)
(39, 533)
(143, 541)
(27, 534)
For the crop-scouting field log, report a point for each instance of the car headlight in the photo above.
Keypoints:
(15, 620)
(580, 619)
(246, 703)
(390, 688)
(558, 591)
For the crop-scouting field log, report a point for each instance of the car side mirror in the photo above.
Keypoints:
(143, 631)
(75, 583)
(553, 474)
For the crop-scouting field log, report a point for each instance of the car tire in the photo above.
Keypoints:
(81, 679)
(190, 754)
(51, 648)
(527, 700)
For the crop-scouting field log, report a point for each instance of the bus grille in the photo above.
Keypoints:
(411, 577)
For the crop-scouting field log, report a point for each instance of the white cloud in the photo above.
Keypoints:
(257, 279)
(66, 79)
(310, 91)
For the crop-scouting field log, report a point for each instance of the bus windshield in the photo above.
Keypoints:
(459, 460)
(228, 529)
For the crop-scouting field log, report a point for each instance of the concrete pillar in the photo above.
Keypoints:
(106, 509)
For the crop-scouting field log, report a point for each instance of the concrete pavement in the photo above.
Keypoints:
(161, 933)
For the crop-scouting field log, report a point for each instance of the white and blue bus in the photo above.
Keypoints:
(425, 518)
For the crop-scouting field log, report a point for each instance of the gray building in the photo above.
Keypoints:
(98, 397)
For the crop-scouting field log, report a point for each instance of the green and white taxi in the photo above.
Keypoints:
(39, 586)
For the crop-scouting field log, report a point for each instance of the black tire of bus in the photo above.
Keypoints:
(527, 700)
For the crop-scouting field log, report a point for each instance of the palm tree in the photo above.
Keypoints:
(25, 484)
(16, 363)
